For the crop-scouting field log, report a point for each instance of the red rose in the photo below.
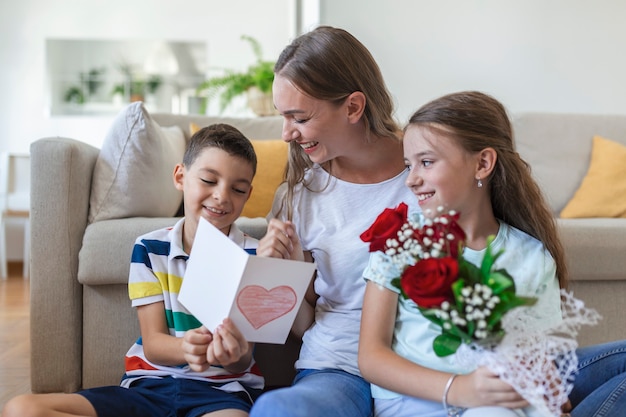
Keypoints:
(429, 282)
(444, 227)
(386, 226)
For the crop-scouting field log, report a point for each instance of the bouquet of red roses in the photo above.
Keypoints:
(466, 301)
(470, 302)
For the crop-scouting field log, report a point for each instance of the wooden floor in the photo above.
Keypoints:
(14, 335)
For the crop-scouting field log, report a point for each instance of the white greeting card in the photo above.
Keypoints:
(261, 295)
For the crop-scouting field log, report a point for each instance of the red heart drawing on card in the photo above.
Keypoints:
(260, 306)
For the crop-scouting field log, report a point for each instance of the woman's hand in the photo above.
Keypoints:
(281, 241)
(195, 345)
(484, 388)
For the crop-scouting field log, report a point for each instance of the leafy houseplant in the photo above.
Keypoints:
(137, 87)
(257, 78)
(90, 82)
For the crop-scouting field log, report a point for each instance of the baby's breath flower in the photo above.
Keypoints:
(459, 321)
(443, 315)
(480, 334)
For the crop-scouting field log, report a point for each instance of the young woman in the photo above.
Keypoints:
(461, 156)
(345, 166)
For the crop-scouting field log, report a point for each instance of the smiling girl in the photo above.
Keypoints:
(461, 156)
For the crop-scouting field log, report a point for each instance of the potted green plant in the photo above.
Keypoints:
(256, 82)
(74, 94)
(134, 88)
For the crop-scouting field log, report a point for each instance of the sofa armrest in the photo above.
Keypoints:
(61, 171)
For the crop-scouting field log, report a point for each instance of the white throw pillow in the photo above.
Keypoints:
(133, 172)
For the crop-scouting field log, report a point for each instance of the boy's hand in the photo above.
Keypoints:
(195, 345)
(281, 241)
(228, 346)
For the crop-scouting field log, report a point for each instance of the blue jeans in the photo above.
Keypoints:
(323, 393)
(600, 386)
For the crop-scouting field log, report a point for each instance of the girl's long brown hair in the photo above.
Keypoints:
(478, 121)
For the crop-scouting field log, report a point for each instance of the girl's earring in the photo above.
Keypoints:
(480, 183)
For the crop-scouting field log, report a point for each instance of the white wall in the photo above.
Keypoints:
(25, 25)
(534, 55)
(561, 55)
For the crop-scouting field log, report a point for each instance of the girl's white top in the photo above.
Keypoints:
(525, 259)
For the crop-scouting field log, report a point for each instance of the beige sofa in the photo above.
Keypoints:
(82, 323)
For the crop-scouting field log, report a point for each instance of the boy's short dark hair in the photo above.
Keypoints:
(222, 136)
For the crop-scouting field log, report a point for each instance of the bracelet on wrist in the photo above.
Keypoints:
(451, 411)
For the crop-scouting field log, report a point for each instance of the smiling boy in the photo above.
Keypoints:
(178, 367)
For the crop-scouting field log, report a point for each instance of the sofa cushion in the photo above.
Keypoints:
(558, 146)
(107, 245)
(133, 172)
(602, 192)
(594, 248)
(271, 162)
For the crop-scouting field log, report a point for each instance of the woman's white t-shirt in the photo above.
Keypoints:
(329, 224)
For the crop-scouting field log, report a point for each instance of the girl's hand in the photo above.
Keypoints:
(566, 408)
(195, 345)
(229, 347)
(484, 388)
(281, 241)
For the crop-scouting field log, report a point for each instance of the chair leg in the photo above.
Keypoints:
(3, 249)
(26, 267)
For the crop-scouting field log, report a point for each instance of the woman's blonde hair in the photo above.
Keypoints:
(329, 64)
(478, 121)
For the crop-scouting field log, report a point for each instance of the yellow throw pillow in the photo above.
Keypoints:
(271, 161)
(602, 192)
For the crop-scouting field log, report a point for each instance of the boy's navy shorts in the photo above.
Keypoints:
(171, 397)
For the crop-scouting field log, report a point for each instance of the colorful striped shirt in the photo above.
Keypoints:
(157, 268)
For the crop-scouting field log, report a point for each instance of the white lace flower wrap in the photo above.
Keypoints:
(540, 364)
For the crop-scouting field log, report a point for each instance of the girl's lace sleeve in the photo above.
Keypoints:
(381, 270)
